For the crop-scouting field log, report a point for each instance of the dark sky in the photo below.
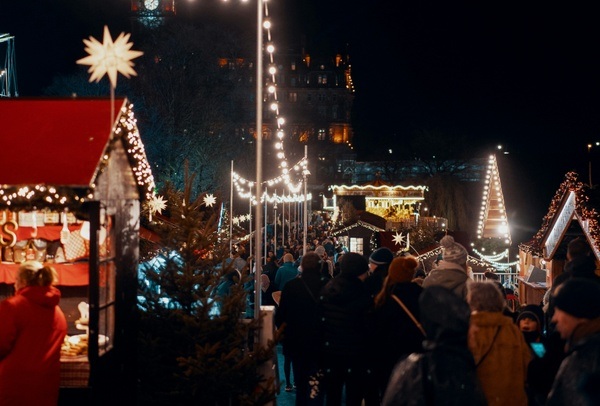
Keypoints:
(524, 74)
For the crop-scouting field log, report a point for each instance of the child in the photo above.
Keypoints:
(531, 323)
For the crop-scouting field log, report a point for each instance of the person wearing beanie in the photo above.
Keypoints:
(345, 303)
(531, 322)
(452, 271)
(498, 346)
(577, 318)
(379, 260)
(395, 334)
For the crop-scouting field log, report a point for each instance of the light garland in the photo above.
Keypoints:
(273, 104)
(585, 215)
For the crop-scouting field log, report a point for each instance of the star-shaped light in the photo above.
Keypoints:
(109, 57)
(398, 239)
(209, 200)
(157, 204)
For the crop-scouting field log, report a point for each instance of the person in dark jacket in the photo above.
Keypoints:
(345, 303)
(396, 330)
(298, 317)
(577, 318)
(445, 373)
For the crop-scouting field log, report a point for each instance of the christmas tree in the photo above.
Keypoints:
(196, 345)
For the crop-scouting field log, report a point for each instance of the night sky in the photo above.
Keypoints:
(522, 74)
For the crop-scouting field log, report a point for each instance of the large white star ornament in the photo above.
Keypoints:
(398, 239)
(109, 57)
(209, 200)
(157, 204)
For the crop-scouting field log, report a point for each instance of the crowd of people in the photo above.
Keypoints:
(377, 330)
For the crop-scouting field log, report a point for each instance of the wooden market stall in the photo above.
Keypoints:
(573, 213)
(74, 174)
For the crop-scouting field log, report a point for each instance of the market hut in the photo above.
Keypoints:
(572, 213)
(74, 176)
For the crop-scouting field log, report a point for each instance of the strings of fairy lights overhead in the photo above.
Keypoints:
(244, 186)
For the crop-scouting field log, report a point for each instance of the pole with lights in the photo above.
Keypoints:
(305, 173)
(259, 112)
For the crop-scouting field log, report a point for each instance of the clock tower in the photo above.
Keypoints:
(152, 13)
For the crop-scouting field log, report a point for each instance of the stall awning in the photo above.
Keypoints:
(54, 141)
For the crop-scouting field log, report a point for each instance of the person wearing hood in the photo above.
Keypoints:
(452, 270)
(31, 335)
(498, 346)
(345, 303)
(577, 318)
(444, 373)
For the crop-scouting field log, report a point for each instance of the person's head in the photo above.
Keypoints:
(320, 251)
(354, 264)
(288, 258)
(531, 319)
(576, 301)
(402, 269)
(310, 264)
(453, 251)
(577, 247)
(382, 256)
(34, 273)
(444, 315)
(485, 296)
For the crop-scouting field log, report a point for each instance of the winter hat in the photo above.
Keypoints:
(381, 256)
(453, 251)
(353, 264)
(402, 269)
(533, 312)
(579, 297)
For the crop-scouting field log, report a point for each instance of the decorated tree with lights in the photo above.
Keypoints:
(190, 352)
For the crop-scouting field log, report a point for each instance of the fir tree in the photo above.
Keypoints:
(190, 353)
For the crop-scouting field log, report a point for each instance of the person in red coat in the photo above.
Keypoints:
(32, 330)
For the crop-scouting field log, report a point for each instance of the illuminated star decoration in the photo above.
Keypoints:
(157, 205)
(209, 200)
(109, 57)
(398, 239)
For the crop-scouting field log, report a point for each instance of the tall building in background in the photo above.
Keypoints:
(152, 13)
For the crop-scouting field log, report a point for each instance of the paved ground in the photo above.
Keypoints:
(284, 398)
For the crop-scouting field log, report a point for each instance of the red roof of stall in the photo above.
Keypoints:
(54, 141)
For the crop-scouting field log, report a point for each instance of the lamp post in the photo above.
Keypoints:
(589, 146)
(305, 173)
(259, 111)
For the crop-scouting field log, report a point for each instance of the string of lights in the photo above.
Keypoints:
(243, 185)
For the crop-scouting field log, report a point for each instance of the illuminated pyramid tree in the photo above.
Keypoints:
(493, 231)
